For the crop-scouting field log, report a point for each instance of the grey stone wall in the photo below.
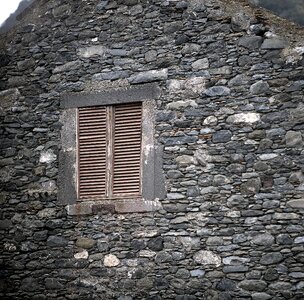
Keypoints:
(230, 118)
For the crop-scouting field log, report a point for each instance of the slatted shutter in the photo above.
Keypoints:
(127, 149)
(109, 151)
(92, 143)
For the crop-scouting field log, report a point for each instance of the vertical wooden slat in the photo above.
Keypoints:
(127, 149)
(92, 146)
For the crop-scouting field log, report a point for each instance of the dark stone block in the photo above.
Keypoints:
(221, 136)
(56, 241)
(226, 285)
(156, 244)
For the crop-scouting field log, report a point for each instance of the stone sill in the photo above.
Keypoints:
(112, 206)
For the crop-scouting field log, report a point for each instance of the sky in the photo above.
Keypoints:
(6, 8)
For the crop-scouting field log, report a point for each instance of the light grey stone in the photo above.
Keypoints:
(238, 80)
(111, 260)
(200, 64)
(259, 87)
(265, 239)
(205, 257)
(261, 296)
(244, 118)
(299, 203)
(185, 160)
(299, 240)
(218, 91)
(253, 285)
(149, 76)
(235, 260)
(90, 51)
(251, 42)
(182, 104)
(175, 196)
(293, 139)
(285, 216)
(274, 43)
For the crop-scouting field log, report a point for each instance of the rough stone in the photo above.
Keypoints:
(274, 43)
(294, 139)
(85, 243)
(259, 87)
(149, 76)
(271, 258)
(111, 260)
(204, 257)
(243, 118)
(263, 240)
(251, 42)
(222, 136)
(218, 91)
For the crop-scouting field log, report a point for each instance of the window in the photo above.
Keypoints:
(109, 151)
(109, 159)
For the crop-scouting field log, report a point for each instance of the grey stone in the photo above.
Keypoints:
(205, 257)
(174, 174)
(259, 87)
(197, 273)
(101, 5)
(56, 241)
(156, 244)
(271, 274)
(293, 139)
(243, 118)
(299, 240)
(90, 51)
(265, 239)
(52, 284)
(179, 140)
(284, 239)
(175, 196)
(226, 285)
(149, 76)
(238, 80)
(67, 67)
(110, 75)
(285, 216)
(200, 64)
(280, 286)
(253, 285)
(251, 42)
(274, 43)
(236, 168)
(222, 136)
(299, 203)
(85, 243)
(296, 178)
(235, 269)
(163, 257)
(261, 296)
(237, 201)
(218, 91)
(271, 258)
(251, 186)
(235, 260)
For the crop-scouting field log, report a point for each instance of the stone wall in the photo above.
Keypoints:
(230, 118)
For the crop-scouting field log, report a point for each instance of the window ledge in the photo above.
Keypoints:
(114, 206)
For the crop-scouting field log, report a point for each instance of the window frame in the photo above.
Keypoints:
(153, 184)
(110, 137)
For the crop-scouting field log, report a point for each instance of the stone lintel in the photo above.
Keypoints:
(119, 96)
(112, 206)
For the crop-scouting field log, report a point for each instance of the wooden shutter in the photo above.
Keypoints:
(92, 143)
(127, 149)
